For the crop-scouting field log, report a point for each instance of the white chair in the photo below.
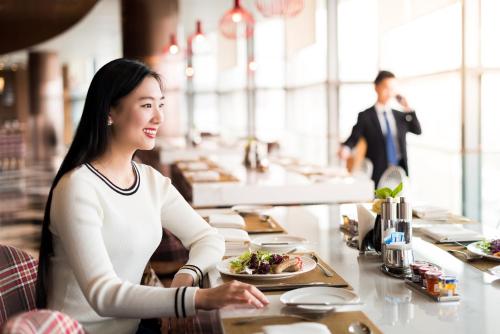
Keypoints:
(393, 176)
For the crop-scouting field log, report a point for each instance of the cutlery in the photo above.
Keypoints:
(267, 219)
(305, 317)
(291, 286)
(322, 304)
(275, 243)
(358, 327)
(467, 256)
(327, 272)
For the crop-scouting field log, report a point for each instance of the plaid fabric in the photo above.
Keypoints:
(42, 322)
(18, 272)
(149, 277)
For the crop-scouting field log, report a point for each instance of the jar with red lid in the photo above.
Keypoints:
(422, 270)
(432, 281)
(415, 272)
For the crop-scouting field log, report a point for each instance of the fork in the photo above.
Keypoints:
(467, 256)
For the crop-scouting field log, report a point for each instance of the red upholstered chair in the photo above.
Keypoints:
(18, 314)
(42, 322)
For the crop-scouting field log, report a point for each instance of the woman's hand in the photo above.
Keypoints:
(233, 292)
(182, 279)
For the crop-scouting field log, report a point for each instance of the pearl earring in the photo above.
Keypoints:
(110, 122)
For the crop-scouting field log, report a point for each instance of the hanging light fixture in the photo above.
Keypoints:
(198, 36)
(237, 22)
(173, 46)
(287, 8)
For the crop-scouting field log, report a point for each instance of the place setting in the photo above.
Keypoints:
(278, 272)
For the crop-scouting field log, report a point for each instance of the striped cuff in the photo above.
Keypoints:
(195, 272)
(184, 302)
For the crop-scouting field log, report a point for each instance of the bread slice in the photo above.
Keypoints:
(288, 265)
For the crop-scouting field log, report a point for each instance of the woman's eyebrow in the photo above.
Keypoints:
(150, 98)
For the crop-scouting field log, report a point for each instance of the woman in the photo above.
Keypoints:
(105, 213)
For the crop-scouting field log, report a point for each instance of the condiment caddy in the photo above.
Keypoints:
(429, 280)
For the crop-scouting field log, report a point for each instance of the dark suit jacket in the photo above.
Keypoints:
(368, 127)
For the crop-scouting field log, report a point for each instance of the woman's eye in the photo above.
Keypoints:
(147, 105)
(161, 105)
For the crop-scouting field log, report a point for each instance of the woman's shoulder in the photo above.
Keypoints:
(78, 177)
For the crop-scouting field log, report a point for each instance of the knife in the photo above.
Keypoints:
(291, 286)
(323, 304)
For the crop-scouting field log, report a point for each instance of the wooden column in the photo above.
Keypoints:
(46, 120)
(146, 27)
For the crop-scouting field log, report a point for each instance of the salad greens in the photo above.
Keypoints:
(489, 247)
(259, 262)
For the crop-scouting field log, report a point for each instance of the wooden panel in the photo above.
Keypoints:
(29, 22)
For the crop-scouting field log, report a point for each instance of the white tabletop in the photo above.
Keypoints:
(387, 301)
(277, 185)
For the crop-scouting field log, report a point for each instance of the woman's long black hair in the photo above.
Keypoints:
(113, 81)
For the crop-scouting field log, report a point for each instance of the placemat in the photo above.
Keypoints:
(315, 275)
(481, 264)
(223, 177)
(338, 323)
(254, 224)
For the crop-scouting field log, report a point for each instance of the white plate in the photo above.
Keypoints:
(319, 295)
(225, 268)
(251, 209)
(476, 250)
(289, 242)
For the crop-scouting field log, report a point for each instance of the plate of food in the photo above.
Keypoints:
(266, 265)
(487, 249)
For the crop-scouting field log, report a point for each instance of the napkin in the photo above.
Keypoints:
(224, 220)
(236, 241)
(234, 236)
(366, 221)
(208, 175)
(297, 328)
(450, 233)
(431, 212)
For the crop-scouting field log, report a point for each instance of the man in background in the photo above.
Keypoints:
(383, 128)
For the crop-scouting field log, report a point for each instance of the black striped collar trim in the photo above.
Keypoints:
(129, 191)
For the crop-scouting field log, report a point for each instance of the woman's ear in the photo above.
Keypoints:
(111, 115)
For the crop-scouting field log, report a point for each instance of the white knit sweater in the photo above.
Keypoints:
(103, 237)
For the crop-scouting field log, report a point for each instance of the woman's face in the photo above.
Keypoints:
(138, 116)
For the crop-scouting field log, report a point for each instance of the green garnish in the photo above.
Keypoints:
(385, 192)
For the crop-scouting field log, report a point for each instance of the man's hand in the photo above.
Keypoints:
(344, 152)
(403, 102)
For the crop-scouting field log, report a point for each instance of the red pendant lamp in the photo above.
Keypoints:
(237, 22)
(287, 8)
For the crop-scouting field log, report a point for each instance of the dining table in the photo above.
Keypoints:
(387, 304)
